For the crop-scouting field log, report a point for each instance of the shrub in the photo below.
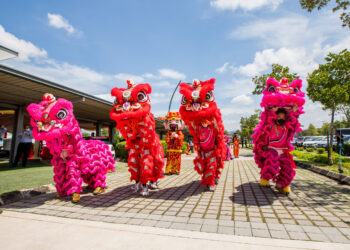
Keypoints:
(309, 149)
(320, 158)
(320, 150)
(184, 147)
(121, 151)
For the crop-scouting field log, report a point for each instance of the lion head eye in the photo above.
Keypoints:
(271, 89)
(209, 96)
(61, 114)
(141, 96)
(296, 90)
(184, 100)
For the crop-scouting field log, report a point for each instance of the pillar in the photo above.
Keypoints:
(17, 128)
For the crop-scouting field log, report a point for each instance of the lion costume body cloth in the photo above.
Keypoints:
(272, 143)
(132, 113)
(74, 159)
(203, 118)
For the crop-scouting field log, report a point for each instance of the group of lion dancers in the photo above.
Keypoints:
(76, 160)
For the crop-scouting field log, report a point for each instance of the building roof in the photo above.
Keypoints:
(19, 88)
(6, 53)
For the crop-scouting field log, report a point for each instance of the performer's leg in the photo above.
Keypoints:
(19, 153)
(26, 152)
(74, 182)
(270, 167)
(210, 167)
(286, 174)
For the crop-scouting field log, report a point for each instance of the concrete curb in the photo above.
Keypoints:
(343, 179)
(10, 197)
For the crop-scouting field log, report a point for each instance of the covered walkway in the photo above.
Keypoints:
(19, 89)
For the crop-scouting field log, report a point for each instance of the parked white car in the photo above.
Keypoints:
(311, 141)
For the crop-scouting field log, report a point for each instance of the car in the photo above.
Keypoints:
(318, 140)
(310, 142)
(346, 139)
(105, 139)
(323, 143)
(299, 141)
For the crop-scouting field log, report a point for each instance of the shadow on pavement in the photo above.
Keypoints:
(246, 196)
(113, 197)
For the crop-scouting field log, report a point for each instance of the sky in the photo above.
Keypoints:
(93, 46)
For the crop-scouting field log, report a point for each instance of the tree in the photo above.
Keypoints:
(248, 124)
(345, 110)
(310, 5)
(278, 72)
(330, 85)
(310, 131)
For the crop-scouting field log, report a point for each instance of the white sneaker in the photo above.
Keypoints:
(153, 185)
(211, 188)
(144, 190)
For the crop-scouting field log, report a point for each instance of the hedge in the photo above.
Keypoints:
(123, 153)
(346, 149)
(320, 158)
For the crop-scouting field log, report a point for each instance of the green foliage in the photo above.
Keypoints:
(248, 124)
(310, 131)
(278, 72)
(184, 147)
(310, 5)
(121, 151)
(320, 158)
(346, 149)
(320, 150)
(309, 149)
(330, 85)
(299, 148)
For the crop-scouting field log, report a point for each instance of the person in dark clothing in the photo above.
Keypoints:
(340, 143)
(24, 146)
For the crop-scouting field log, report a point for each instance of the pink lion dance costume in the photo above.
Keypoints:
(282, 103)
(132, 112)
(228, 150)
(203, 118)
(74, 159)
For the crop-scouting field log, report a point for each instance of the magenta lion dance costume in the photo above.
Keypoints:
(132, 112)
(228, 150)
(75, 160)
(282, 103)
(203, 118)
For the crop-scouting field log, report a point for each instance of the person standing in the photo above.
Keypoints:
(3, 132)
(235, 146)
(191, 145)
(24, 146)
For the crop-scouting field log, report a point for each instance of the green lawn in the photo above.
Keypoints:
(333, 168)
(34, 175)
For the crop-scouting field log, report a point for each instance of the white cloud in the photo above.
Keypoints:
(123, 77)
(297, 59)
(247, 5)
(59, 22)
(223, 68)
(26, 49)
(242, 100)
(170, 73)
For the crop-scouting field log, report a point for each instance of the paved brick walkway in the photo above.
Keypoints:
(317, 210)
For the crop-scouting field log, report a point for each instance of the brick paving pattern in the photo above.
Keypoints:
(318, 208)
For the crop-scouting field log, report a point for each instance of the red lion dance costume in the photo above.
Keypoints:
(132, 112)
(282, 103)
(203, 118)
(74, 159)
(174, 140)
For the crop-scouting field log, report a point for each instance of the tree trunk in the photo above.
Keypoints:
(330, 146)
